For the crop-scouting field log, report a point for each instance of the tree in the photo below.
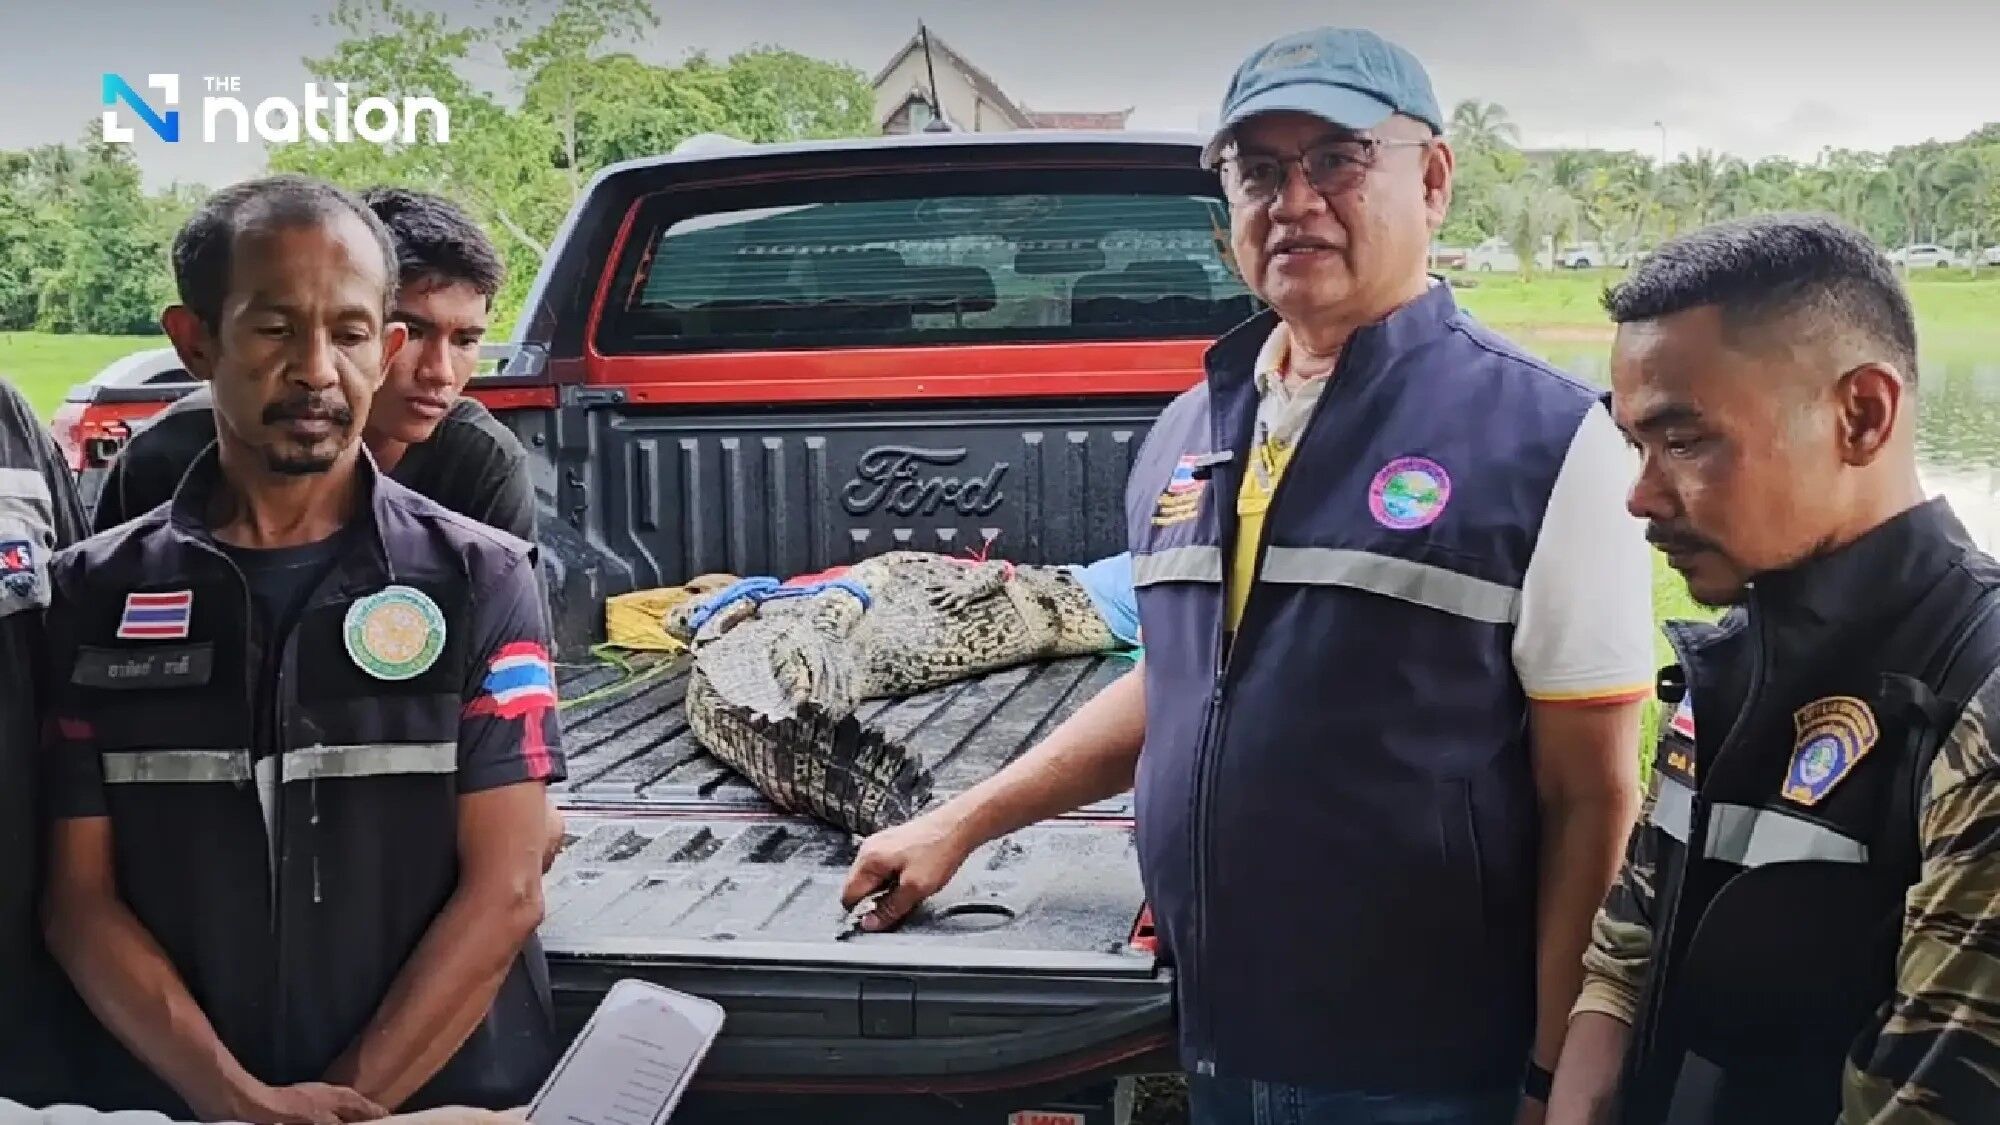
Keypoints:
(579, 108)
(559, 56)
(1534, 214)
(108, 276)
(1913, 183)
(1483, 127)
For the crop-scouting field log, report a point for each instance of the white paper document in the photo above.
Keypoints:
(632, 1060)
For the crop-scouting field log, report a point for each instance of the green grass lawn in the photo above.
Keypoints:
(1947, 302)
(45, 367)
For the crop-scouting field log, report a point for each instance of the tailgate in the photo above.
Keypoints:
(1023, 969)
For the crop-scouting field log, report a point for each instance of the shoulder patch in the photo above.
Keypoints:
(1181, 501)
(18, 574)
(1834, 734)
(1676, 741)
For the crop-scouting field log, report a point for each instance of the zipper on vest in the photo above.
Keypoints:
(253, 663)
(1225, 653)
(1665, 960)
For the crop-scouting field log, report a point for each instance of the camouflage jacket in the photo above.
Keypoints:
(1932, 1051)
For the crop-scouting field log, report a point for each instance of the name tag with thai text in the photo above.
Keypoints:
(125, 668)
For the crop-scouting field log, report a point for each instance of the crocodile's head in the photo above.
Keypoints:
(698, 590)
(1079, 627)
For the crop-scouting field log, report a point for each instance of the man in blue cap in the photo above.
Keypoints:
(1398, 631)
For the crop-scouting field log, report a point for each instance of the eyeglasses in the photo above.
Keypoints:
(1331, 168)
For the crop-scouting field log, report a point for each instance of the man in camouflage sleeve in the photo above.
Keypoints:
(1807, 926)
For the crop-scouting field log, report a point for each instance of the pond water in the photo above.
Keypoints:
(1958, 421)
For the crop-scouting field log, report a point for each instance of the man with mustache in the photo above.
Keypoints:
(1398, 631)
(303, 727)
(420, 430)
(1807, 926)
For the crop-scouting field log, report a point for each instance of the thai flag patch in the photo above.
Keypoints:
(520, 684)
(1683, 721)
(1184, 479)
(156, 617)
(519, 677)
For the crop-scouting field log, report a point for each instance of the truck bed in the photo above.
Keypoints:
(630, 749)
(676, 870)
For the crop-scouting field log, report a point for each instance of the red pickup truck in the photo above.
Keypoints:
(777, 359)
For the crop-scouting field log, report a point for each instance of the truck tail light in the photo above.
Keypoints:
(88, 437)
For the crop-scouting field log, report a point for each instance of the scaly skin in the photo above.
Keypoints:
(775, 685)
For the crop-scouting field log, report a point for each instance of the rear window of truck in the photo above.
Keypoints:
(891, 263)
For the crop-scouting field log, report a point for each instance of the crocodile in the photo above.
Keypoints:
(778, 676)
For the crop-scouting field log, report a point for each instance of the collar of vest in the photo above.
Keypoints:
(187, 518)
(1876, 576)
(1232, 361)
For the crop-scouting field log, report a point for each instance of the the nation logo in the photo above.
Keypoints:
(520, 684)
(156, 617)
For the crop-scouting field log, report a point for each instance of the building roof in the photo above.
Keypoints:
(989, 90)
(1061, 120)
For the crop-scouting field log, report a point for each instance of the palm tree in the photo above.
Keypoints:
(1534, 214)
(1913, 184)
(1973, 195)
(1701, 188)
(1484, 126)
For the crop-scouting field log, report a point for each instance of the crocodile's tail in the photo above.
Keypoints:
(814, 764)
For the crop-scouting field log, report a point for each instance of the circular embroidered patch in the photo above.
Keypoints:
(1409, 493)
(1818, 760)
(395, 633)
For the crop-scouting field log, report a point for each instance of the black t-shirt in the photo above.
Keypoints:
(472, 464)
(280, 579)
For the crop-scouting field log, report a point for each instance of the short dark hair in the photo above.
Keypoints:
(1764, 268)
(436, 239)
(203, 247)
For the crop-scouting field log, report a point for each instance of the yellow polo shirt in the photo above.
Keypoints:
(1281, 415)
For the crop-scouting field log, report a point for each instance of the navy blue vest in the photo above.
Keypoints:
(1336, 815)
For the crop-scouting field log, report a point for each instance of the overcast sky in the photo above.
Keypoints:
(1752, 77)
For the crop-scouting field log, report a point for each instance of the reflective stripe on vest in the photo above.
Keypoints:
(1415, 582)
(1177, 564)
(143, 767)
(1754, 837)
(24, 483)
(1673, 808)
(375, 759)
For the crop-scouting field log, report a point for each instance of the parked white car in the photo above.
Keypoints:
(1582, 256)
(1495, 256)
(1990, 256)
(1928, 255)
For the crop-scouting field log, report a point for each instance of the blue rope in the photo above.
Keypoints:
(761, 590)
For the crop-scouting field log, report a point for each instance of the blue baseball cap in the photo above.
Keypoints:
(1352, 78)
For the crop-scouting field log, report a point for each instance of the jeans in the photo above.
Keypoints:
(1235, 1101)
